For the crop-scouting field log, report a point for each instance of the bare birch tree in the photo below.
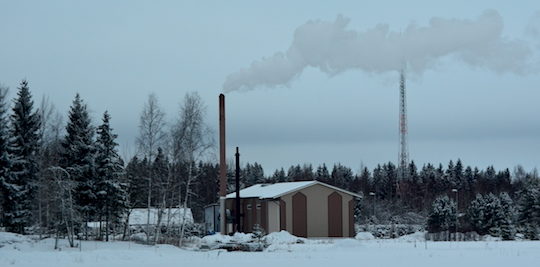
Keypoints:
(49, 157)
(64, 187)
(192, 140)
(162, 180)
(46, 140)
(151, 136)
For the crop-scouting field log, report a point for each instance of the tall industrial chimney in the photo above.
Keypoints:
(222, 166)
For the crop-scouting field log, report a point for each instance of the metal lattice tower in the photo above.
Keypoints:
(403, 150)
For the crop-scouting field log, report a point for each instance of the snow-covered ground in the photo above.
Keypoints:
(22, 251)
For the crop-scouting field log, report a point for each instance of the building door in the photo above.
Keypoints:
(282, 215)
(335, 215)
(299, 211)
(352, 204)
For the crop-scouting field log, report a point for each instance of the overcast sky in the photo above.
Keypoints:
(115, 53)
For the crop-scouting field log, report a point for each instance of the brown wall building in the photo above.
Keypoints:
(306, 209)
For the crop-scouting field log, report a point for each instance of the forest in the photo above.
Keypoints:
(57, 175)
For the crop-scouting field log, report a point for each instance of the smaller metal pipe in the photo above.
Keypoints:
(237, 202)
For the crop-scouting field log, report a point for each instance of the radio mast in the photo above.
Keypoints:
(403, 159)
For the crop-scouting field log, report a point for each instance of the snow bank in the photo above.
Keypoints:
(139, 237)
(364, 236)
(285, 242)
(7, 238)
(219, 238)
(216, 239)
(274, 241)
(418, 236)
(242, 237)
(491, 238)
(282, 237)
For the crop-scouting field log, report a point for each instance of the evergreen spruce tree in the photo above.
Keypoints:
(279, 176)
(378, 182)
(469, 184)
(364, 182)
(490, 179)
(307, 172)
(503, 181)
(205, 189)
(5, 162)
(507, 224)
(458, 179)
(252, 174)
(111, 189)
(246, 178)
(427, 175)
(23, 146)
(295, 173)
(360, 182)
(475, 214)
(161, 186)
(389, 187)
(449, 175)
(137, 180)
(161, 180)
(493, 216)
(341, 176)
(258, 173)
(440, 181)
(413, 188)
(483, 214)
(78, 158)
(529, 210)
(322, 174)
(476, 177)
(442, 216)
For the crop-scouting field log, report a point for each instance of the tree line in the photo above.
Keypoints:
(452, 198)
(56, 177)
(487, 201)
(55, 181)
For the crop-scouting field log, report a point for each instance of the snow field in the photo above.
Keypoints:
(23, 251)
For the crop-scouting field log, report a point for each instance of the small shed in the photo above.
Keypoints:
(305, 209)
(169, 216)
(211, 218)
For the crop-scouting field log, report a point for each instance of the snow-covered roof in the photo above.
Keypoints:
(276, 190)
(170, 215)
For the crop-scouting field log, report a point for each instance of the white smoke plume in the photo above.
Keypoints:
(332, 48)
